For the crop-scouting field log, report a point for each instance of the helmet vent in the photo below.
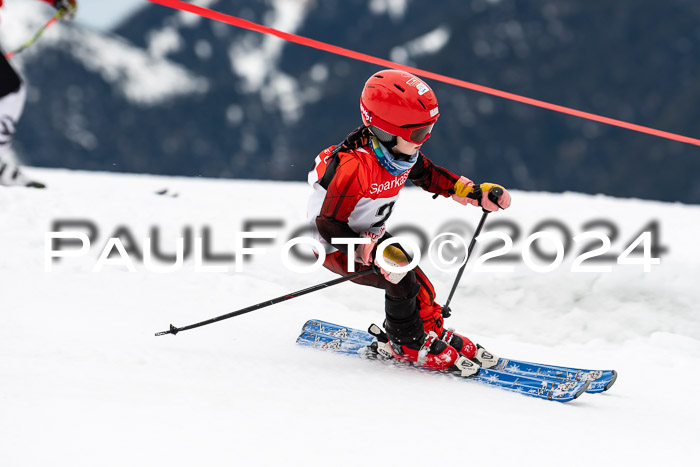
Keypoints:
(399, 88)
(378, 76)
(421, 103)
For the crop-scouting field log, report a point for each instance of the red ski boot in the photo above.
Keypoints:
(459, 342)
(407, 341)
(467, 348)
(431, 353)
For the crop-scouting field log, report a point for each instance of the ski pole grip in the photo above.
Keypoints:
(495, 193)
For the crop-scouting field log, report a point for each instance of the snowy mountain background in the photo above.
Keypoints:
(84, 382)
(170, 93)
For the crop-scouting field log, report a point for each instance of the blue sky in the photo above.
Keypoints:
(105, 14)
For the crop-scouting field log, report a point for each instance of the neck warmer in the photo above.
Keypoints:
(388, 160)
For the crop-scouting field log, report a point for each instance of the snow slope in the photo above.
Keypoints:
(84, 382)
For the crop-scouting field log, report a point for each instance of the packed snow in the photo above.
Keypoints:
(84, 381)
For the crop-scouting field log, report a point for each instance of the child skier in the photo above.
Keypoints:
(356, 184)
(12, 96)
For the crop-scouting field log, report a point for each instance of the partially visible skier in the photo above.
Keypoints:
(12, 97)
(356, 185)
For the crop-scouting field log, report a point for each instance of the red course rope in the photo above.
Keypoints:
(241, 23)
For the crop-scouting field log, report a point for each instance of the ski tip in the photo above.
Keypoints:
(582, 390)
(612, 381)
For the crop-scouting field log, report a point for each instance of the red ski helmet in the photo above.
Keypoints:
(400, 104)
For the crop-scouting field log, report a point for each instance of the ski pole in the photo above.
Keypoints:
(59, 14)
(494, 194)
(174, 330)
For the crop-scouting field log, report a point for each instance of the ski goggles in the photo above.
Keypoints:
(416, 134)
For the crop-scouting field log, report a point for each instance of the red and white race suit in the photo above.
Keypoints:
(354, 196)
(361, 193)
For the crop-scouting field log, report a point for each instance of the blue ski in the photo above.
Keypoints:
(562, 391)
(600, 380)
